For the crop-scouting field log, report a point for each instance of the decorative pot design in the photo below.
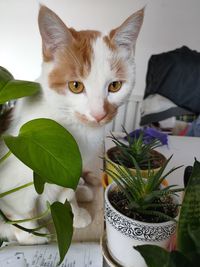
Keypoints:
(124, 233)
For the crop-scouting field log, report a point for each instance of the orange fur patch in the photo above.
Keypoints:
(73, 62)
(111, 111)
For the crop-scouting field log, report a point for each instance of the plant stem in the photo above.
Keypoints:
(31, 219)
(30, 231)
(15, 189)
(5, 156)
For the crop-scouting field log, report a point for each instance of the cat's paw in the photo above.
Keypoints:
(91, 179)
(82, 218)
(25, 238)
(84, 194)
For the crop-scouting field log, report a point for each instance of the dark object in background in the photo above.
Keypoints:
(176, 76)
(6, 111)
(187, 174)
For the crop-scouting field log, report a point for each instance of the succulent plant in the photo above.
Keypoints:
(136, 147)
(144, 199)
(187, 252)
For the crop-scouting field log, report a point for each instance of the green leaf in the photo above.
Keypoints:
(177, 259)
(154, 256)
(5, 77)
(63, 221)
(190, 212)
(14, 89)
(39, 183)
(49, 150)
(195, 236)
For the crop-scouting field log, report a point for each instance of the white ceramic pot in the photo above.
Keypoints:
(124, 233)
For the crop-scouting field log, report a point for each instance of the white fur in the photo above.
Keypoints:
(63, 109)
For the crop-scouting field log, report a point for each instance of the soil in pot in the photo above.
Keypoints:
(121, 204)
(156, 159)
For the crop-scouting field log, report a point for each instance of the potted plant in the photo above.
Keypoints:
(59, 163)
(141, 145)
(138, 211)
(187, 243)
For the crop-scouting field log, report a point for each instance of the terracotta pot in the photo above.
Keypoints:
(133, 171)
(124, 233)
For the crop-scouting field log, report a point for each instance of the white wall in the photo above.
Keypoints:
(168, 24)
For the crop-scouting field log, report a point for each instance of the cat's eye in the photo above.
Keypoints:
(114, 86)
(76, 87)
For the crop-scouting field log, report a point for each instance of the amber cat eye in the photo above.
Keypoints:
(114, 86)
(76, 87)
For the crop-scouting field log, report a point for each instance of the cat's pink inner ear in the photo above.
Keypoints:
(53, 31)
(126, 34)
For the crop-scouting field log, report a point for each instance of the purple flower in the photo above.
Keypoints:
(149, 134)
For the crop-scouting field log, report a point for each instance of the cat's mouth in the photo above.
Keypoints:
(93, 123)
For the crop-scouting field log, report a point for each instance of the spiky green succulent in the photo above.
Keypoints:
(142, 194)
(136, 148)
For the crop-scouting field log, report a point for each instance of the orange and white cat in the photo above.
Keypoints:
(86, 76)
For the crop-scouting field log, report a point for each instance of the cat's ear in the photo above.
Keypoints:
(53, 31)
(126, 34)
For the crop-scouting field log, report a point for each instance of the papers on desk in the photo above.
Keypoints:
(79, 255)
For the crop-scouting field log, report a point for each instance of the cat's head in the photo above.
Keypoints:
(87, 75)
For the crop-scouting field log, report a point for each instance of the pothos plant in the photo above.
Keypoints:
(187, 252)
(59, 161)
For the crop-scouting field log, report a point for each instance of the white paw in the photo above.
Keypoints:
(84, 194)
(82, 218)
(91, 179)
(25, 238)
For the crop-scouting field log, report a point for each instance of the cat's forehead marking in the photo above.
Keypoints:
(91, 54)
(73, 62)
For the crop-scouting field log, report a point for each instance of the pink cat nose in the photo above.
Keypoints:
(98, 116)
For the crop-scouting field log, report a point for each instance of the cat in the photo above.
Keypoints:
(86, 76)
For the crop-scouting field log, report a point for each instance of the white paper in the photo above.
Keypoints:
(79, 255)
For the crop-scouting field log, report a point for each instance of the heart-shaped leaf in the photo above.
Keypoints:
(16, 89)
(63, 222)
(5, 77)
(49, 150)
(154, 256)
(13, 89)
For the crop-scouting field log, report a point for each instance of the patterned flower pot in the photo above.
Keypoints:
(124, 233)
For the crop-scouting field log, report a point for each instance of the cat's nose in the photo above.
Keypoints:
(98, 116)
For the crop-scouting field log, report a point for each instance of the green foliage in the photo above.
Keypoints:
(38, 183)
(190, 211)
(142, 194)
(63, 222)
(136, 148)
(188, 234)
(53, 155)
(13, 89)
(156, 257)
(49, 150)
